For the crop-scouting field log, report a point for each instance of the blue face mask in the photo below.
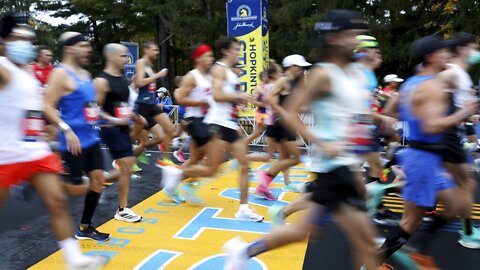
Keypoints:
(474, 58)
(20, 51)
(360, 55)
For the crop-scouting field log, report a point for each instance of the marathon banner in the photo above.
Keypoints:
(132, 57)
(265, 34)
(245, 19)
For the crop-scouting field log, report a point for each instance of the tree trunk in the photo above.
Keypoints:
(163, 60)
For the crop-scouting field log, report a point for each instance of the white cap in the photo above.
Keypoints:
(392, 78)
(295, 60)
(162, 90)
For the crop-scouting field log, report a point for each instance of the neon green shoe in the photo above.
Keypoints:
(143, 158)
(135, 168)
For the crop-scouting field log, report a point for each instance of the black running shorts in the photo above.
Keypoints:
(149, 111)
(225, 134)
(278, 133)
(199, 130)
(118, 141)
(89, 160)
(453, 150)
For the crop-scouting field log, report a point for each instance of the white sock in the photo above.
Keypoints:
(244, 207)
(71, 251)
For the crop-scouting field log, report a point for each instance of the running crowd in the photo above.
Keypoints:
(52, 138)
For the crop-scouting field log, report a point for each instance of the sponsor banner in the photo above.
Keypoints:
(132, 57)
(245, 19)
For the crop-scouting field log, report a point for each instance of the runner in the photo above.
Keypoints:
(158, 120)
(222, 117)
(334, 91)
(71, 106)
(43, 66)
(289, 153)
(112, 95)
(424, 104)
(23, 154)
(465, 54)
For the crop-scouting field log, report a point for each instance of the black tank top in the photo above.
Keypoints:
(118, 95)
(282, 97)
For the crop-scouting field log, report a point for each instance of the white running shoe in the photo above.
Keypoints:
(171, 177)
(127, 215)
(90, 263)
(236, 254)
(248, 215)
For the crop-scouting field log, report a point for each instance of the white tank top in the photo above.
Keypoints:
(464, 92)
(336, 116)
(21, 124)
(201, 91)
(224, 114)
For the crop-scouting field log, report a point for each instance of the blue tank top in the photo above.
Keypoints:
(79, 110)
(372, 82)
(147, 94)
(406, 111)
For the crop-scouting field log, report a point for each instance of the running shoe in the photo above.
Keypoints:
(171, 178)
(424, 261)
(161, 163)
(161, 147)
(470, 241)
(191, 193)
(179, 156)
(143, 158)
(90, 263)
(275, 212)
(127, 215)
(386, 217)
(248, 215)
(92, 234)
(175, 197)
(263, 178)
(135, 168)
(291, 188)
(237, 258)
(115, 165)
(265, 193)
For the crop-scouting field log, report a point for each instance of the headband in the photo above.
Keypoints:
(74, 40)
(200, 50)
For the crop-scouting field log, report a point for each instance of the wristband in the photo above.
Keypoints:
(63, 126)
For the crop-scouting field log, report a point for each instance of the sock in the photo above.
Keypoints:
(269, 179)
(244, 207)
(71, 251)
(256, 248)
(467, 226)
(91, 202)
(120, 209)
(396, 238)
(437, 223)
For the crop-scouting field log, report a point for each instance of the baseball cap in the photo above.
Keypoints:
(340, 19)
(162, 90)
(392, 78)
(295, 60)
(428, 45)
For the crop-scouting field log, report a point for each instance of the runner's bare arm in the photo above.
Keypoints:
(256, 93)
(140, 71)
(4, 77)
(219, 75)
(101, 88)
(181, 95)
(391, 109)
(317, 87)
(57, 86)
(430, 107)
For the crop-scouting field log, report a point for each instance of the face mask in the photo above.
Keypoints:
(474, 58)
(20, 51)
(359, 55)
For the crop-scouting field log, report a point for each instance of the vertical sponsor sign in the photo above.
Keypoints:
(265, 34)
(132, 57)
(245, 19)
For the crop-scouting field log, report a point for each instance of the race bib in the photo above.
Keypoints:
(91, 111)
(361, 130)
(152, 87)
(122, 110)
(33, 126)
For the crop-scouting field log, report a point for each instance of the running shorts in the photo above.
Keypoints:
(118, 141)
(89, 160)
(225, 134)
(198, 130)
(149, 111)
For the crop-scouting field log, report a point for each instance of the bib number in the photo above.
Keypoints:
(91, 112)
(361, 134)
(33, 126)
(122, 110)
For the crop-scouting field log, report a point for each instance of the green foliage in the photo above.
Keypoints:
(179, 24)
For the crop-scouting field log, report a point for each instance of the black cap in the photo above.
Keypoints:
(428, 45)
(11, 20)
(340, 19)
(462, 39)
